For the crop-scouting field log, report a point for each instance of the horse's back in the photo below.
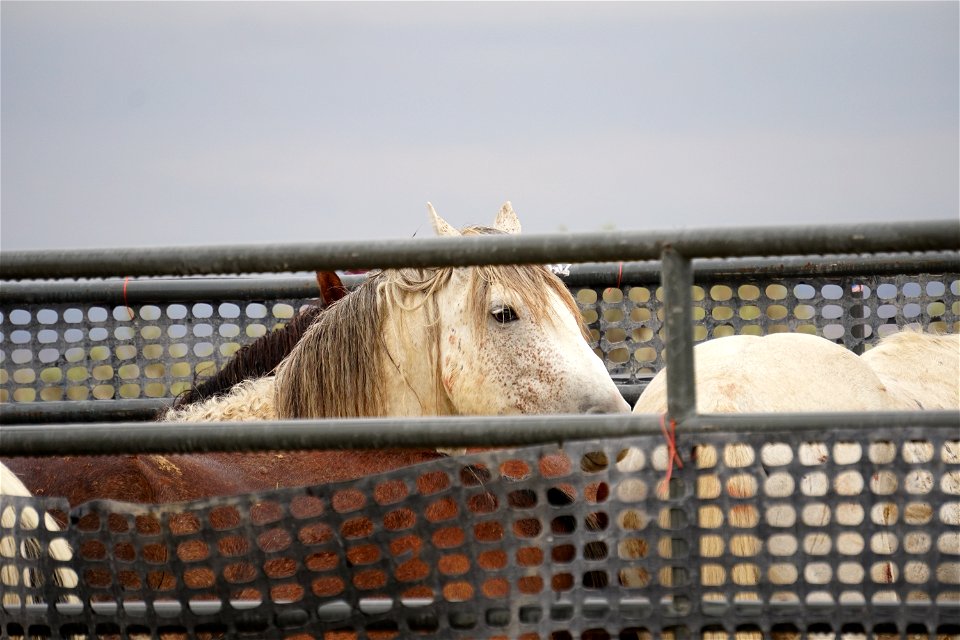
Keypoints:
(173, 478)
(775, 373)
(921, 370)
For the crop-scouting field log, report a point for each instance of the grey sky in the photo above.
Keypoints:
(132, 124)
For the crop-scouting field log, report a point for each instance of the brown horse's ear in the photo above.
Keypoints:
(507, 220)
(331, 288)
(441, 226)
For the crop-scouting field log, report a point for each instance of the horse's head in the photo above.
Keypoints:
(475, 340)
(511, 339)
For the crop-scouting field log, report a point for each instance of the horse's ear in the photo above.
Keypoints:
(441, 226)
(507, 220)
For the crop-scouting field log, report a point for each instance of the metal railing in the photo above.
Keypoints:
(675, 250)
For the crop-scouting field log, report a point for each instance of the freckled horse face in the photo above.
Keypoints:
(504, 354)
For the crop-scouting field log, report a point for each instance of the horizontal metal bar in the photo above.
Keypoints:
(136, 292)
(606, 274)
(596, 274)
(381, 433)
(59, 411)
(939, 235)
(82, 411)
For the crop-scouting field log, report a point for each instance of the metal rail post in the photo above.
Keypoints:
(677, 280)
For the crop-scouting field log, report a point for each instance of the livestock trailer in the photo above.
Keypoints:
(564, 527)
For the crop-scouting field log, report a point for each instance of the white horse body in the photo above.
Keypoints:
(919, 370)
(776, 373)
(463, 341)
(10, 485)
(803, 373)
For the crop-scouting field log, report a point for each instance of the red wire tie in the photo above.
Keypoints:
(619, 278)
(129, 310)
(671, 438)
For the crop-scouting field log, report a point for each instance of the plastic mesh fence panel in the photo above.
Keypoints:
(779, 534)
(84, 352)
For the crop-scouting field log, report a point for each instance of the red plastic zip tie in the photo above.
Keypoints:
(129, 310)
(673, 456)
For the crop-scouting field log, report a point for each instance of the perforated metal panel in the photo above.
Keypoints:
(96, 351)
(627, 323)
(789, 534)
(86, 352)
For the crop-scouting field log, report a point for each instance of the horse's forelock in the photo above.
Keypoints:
(531, 284)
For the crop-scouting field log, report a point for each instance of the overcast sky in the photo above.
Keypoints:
(134, 124)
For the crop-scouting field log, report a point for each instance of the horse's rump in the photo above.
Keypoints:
(920, 370)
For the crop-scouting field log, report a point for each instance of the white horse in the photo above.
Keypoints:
(919, 370)
(775, 373)
(803, 373)
(29, 520)
(493, 340)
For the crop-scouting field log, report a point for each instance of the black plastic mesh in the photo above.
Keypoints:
(82, 352)
(779, 534)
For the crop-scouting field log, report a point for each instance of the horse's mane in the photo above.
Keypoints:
(261, 357)
(254, 360)
(334, 371)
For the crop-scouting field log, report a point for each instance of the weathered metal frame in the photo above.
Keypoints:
(938, 235)
(674, 249)
(587, 274)
(381, 433)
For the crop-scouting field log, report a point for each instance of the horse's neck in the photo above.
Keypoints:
(411, 385)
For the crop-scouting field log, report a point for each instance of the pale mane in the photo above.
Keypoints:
(334, 371)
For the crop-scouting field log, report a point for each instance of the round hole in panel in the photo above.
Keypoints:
(831, 292)
(935, 288)
(833, 331)
(612, 295)
(639, 295)
(911, 310)
(282, 311)
(202, 310)
(150, 312)
(587, 296)
(776, 291)
(176, 311)
(912, 290)
(850, 543)
(748, 292)
(613, 315)
(720, 293)
(228, 310)
(46, 316)
(176, 331)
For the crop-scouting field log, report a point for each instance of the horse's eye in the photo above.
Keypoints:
(503, 315)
